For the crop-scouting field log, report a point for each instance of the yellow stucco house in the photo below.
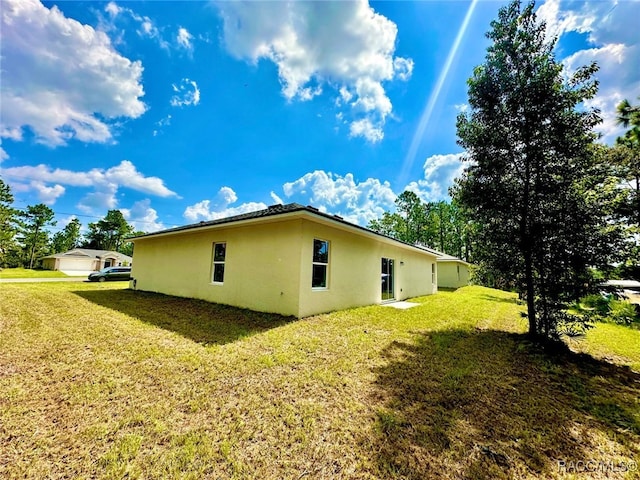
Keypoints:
(287, 259)
(452, 271)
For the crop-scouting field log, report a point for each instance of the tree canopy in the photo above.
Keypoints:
(110, 232)
(8, 222)
(68, 238)
(439, 225)
(35, 237)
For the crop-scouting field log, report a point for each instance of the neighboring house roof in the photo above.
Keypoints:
(450, 258)
(89, 253)
(290, 209)
(622, 283)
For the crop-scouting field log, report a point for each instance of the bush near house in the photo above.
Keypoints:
(97, 381)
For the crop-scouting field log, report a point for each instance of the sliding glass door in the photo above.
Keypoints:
(387, 279)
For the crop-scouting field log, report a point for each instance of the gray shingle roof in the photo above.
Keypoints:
(267, 212)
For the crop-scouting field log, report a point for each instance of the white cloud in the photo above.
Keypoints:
(184, 38)
(219, 208)
(103, 198)
(3, 154)
(439, 174)
(12, 133)
(345, 45)
(365, 128)
(403, 68)
(143, 217)
(361, 202)
(46, 194)
(163, 122)
(616, 81)
(105, 182)
(226, 196)
(186, 93)
(113, 9)
(125, 174)
(48, 62)
(610, 27)
(357, 202)
(146, 26)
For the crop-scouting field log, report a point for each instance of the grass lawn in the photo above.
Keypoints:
(97, 381)
(30, 273)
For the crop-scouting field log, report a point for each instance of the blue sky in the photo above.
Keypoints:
(177, 112)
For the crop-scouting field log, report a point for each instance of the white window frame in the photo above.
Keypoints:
(326, 265)
(215, 262)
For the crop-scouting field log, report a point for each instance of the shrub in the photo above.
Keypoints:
(599, 303)
(606, 308)
(622, 312)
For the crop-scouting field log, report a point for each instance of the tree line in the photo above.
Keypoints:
(25, 236)
(439, 225)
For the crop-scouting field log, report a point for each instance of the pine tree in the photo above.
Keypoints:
(531, 184)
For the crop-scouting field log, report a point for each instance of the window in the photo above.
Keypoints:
(219, 254)
(433, 273)
(320, 264)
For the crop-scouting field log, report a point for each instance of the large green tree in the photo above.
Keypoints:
(68, 238)
(34, 236)
(531, 184)
(109, 233)
(8, 223)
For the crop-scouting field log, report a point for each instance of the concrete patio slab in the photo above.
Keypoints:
(400, 305)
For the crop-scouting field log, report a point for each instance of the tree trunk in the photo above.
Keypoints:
(33, 247)
(531, 305)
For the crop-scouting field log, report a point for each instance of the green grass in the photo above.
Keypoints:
(29, 273)
(613, 343)
(97, 381)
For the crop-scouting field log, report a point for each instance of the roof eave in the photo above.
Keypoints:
(296, 212)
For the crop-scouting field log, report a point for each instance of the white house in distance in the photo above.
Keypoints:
(287, 259)
(85, 259)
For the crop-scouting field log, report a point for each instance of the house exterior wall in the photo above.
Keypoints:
(355, 270)
(268, 267)
(448, 274)
(49, 264)
(261, 266)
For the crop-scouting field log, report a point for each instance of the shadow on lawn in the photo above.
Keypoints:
(494, 298)
(198, 320)
(489, 404)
